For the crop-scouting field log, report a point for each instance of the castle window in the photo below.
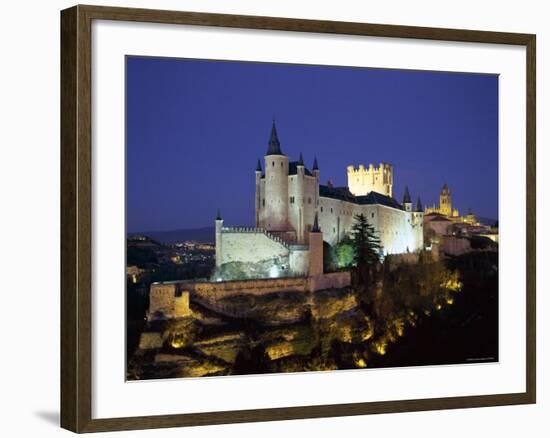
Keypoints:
(334, 230)
(273, 163)
(372, 215)
(263, 202)
(281, 164)
(331, 209)
(321, 209)
(292, 199)
(309, 200)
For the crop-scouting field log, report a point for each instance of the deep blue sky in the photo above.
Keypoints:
(195, 130)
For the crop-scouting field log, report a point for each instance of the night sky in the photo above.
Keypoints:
(195, 130)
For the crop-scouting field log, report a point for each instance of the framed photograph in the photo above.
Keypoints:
(271, 218)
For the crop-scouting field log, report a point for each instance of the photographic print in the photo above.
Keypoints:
(299, 218)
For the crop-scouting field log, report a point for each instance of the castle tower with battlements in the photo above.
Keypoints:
(362, 181)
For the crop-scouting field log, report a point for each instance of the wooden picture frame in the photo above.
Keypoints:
(76, 217)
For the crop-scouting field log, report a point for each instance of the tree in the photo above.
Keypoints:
(366, 244)
(345, 254)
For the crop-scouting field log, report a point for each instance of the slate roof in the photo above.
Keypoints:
(343, 194)
(407, 196)
(293, 168)
(315, 165)
(274, 145)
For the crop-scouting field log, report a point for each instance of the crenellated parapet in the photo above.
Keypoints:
(255, 230)
(363, 180)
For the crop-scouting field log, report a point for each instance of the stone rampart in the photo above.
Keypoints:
(171, 300)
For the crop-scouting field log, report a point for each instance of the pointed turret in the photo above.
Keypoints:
(406, 196)
(419, 205)
(407, 203)
(315, 165)
(301, 160)
(218, 215)
(259, 166)
(274, 145)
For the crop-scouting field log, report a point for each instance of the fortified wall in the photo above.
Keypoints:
(168, 301)
(171, 299)
(256, 246)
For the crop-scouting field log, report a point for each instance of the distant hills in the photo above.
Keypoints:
(205, 235)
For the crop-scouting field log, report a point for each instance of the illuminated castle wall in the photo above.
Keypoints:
(289, 198)
(362, 181)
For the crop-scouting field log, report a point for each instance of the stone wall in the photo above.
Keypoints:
(397, 229)
(161, 301)
(250, 245)
(299, 260)
(171, 300)
(181, 305)
(168, 300)
(218, 290)
(332, 280)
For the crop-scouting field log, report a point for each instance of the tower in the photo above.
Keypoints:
(299, 201)
(419, 208)
(362, 181)
(219, 226)
(407, 203)
(315, 168)
(258, 200)
(445, 206)
(315, 249)
(418, 223)
(275, 201)
(316, 174)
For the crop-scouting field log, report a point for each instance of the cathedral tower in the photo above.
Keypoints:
(445, 206)
(275, 201)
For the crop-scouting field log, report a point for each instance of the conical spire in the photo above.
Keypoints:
(315, 228)
(407, 196)
(419, 205)
(315, 165)
(218, 215)
(301, 160)
(259, 166)
(274, 146)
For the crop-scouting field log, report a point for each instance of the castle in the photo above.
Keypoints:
(294, 214)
